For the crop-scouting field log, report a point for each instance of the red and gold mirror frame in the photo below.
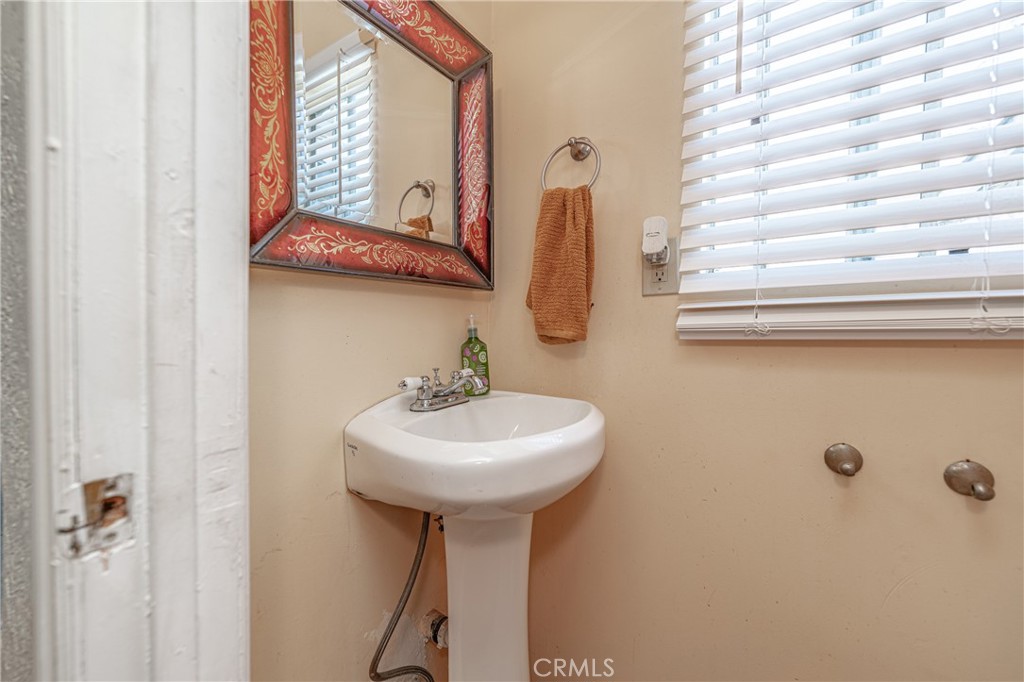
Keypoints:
(281, 234)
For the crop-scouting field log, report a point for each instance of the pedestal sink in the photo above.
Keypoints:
(486, 466)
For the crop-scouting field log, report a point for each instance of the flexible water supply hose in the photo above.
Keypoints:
(389, 630)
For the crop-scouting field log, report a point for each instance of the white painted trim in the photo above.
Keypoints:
(139, 151)
(222, 321)
(51, 328)
(43, 586)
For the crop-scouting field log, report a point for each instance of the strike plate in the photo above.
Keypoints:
(97, 516)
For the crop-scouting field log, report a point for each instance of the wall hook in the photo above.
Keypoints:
(970, 478)
(844, 459)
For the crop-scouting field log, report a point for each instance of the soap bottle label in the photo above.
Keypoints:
(474, 356)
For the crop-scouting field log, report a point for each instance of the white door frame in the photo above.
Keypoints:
(138, 153)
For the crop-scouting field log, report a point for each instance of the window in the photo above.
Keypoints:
(852, 169)
(335, 129)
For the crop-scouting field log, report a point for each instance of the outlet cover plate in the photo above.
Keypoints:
(657, 280)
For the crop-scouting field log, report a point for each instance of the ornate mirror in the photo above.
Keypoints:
(370, 141)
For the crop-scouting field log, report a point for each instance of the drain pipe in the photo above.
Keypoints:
(378, 676)
(434, 626)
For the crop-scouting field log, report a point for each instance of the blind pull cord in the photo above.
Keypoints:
(757, 326)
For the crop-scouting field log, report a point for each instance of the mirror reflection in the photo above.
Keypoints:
(374, 126)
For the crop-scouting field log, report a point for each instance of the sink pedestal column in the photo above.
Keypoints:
(488, 565)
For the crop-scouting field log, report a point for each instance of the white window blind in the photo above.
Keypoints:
(853, 169)
(335, 129)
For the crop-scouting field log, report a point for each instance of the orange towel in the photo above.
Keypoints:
(563, 265)
(422, 226)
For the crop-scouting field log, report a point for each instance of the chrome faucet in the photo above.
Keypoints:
(435, 395)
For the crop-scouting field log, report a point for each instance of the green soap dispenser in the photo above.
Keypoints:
(474, 356)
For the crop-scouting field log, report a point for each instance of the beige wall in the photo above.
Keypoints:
(711, 543)
(326, 565)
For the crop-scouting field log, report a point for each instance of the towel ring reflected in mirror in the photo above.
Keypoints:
(579, 149)
(426, 188)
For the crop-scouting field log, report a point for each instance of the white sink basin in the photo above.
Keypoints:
(498, 455)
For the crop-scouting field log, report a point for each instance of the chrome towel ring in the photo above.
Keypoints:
(426, 187)
(579, 149)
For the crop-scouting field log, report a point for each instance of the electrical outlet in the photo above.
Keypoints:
(662, 279)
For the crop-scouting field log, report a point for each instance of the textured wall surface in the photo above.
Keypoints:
(15, 462)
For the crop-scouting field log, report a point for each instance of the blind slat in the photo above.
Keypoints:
(912, 152)
(358, 153)
(326, 191)
(884, 316)
(320, 142)
(922, 269)
(804, 42)
(868, 50)
(937, 118)
(355, 197)
(949, 86)
(853, 82)
(696, 11)
(321, 156)
(945, 177)
(1000, 201)
(1002, 232)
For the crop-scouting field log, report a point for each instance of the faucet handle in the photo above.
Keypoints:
(461, 374)
(409, 383)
